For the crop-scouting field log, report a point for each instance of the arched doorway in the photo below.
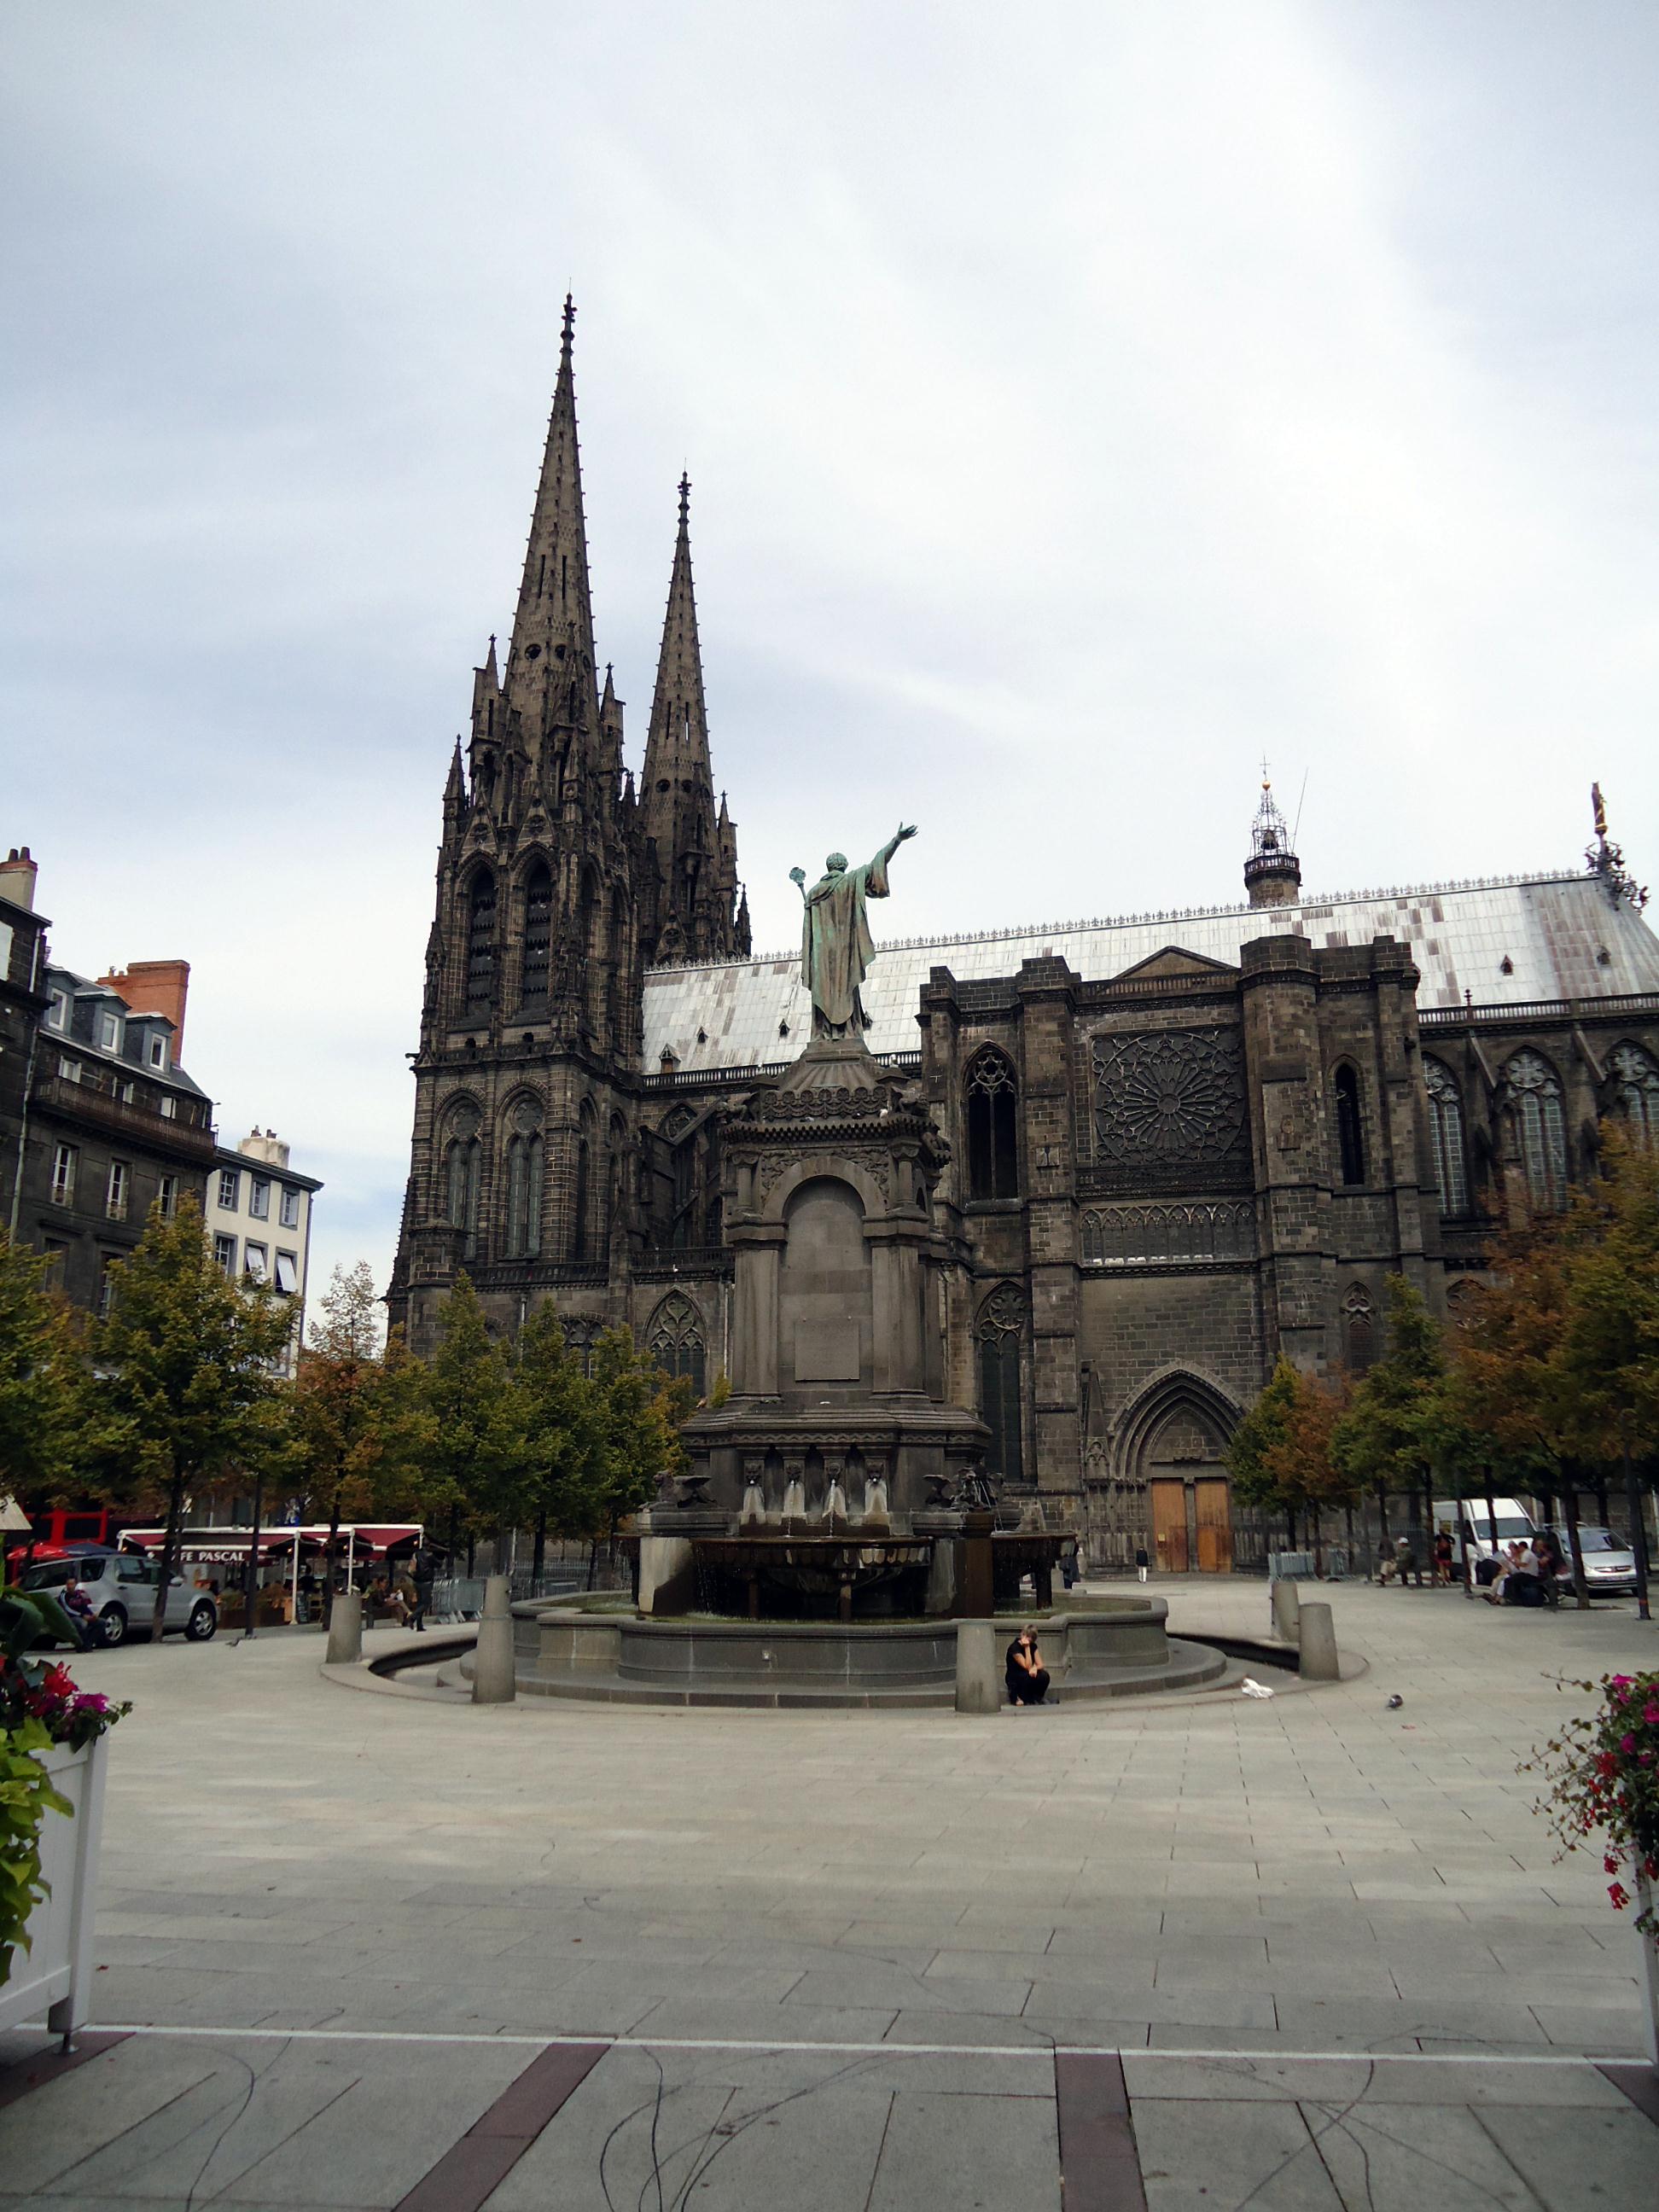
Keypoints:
(1173, 1446)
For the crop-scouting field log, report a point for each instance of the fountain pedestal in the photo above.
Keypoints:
(841, 1432)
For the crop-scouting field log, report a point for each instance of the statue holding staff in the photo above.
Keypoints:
(836, 947)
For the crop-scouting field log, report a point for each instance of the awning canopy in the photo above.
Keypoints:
(366, 1538)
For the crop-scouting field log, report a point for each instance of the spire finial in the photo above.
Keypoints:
(569, 328)
(685, 497)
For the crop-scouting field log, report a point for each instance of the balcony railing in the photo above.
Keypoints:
(79, 1102)
(1620, 1008)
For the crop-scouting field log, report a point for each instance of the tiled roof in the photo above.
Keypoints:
(1553, 929)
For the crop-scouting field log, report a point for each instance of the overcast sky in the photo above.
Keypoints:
(1080, 401)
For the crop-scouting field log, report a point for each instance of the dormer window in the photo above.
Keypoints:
(158, 1052)
(57, 1013)
(109, 1032)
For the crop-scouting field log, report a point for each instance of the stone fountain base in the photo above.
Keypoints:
(1114, 1648)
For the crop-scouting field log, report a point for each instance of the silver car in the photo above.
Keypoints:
(1609, 1562)
(122, 1588)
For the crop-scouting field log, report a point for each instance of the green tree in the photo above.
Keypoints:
(1403, 1424)
(43, 1381)
(184, 1363)
(640, 1411)
(336, 1441)
(476, 1459)
(565, 1460)
(1280, 1455)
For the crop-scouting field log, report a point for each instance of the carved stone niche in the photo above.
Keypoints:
(837, 1271)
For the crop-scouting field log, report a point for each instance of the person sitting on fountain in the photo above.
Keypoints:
(1028, 1678)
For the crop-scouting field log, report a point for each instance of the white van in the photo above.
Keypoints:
(1513, 1521)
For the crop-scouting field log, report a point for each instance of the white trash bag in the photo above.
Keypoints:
(1251, 1687)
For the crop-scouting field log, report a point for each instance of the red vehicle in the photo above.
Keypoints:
(58, 1530)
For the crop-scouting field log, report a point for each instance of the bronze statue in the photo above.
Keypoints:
(836, 947)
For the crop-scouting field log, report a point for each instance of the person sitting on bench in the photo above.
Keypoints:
(1028, 1678)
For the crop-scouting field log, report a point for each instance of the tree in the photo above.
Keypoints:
(565, 1461)
(475, 1461)
(640, 1410)
(42, 1380)
(184, 1363)
(337, 1446)
(1280, 1455)
(1403, 1425)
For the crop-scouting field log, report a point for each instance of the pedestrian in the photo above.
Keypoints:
(80, 1609)
(1141, 1561)
(1442, 1557)
(409, 1593)
(1407, 1567)
(1028, 1678)
(423, 1580)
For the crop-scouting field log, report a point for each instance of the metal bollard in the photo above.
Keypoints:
(493, 1680)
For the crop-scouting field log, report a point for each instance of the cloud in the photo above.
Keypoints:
(1079, 405)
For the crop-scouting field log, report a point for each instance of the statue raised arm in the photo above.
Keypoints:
(836, 947)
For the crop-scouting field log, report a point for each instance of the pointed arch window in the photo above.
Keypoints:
(1534, 1091)
(999, 1331)
(1635, 1090)
(1359, 1328)
(481, 945)
(463, 1168)
(1350, 1125)
(538, 936)
(1446, 1138)
(993, 1134)
(523, 1182)
(675, 1340)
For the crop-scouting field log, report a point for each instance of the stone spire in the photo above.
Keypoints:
(696, 854)
(1273, 874)
(549, 664)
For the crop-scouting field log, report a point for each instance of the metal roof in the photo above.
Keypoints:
(1562, 935)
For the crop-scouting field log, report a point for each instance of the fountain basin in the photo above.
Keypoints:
(1110, 1647)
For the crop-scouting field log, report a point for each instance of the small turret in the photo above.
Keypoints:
(1273, 874)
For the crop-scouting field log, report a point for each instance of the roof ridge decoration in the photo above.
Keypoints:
(1018, 930)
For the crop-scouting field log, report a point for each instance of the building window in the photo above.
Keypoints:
(675, 1340)
(1446, 1138)
(62, 1175)
(254, 1262)
(481, 945)
(524, 1195)
(1205, 1231)
(169, 1107)
(538, 935)
(53, 1277)
(1358, 1329)
(70, 1070)
(1533, 1093)
(288, 1273)
(579, 1228)
(109, 1032)
(1350, 1127)
(124, 1091)
(462, 1164)
(109, 1266)
(259, 1197)
(158, 1052)
(993, 1140)
(57, 1013)
(1635, 1090)
(167, 1196)
(290, 1206)
(224, 1254)
(230, 1190)
(1001, 1326)
(115, 1195)
(579, 1337)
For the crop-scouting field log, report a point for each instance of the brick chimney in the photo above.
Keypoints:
(156, 987)
(17, 873)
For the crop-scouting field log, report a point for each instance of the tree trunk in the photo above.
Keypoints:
(539, 1555)
(1576, 1552)
(1602, 1503)
(169, 1556)
(328, 1561)
(1638, 1530)
(251, 1574)
(1348, 1516)
(1492, 1517)
(592, 1561)
(1382, 1528)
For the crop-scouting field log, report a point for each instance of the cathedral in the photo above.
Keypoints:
(1177, 1144)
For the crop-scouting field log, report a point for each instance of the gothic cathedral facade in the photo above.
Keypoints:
(1179, 1143)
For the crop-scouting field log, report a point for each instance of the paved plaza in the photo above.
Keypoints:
(377, 1946)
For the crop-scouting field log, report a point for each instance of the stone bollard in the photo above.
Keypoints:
(1286, 1600)
(493, 1682)
(1317, 1642)
(979, 1687)
(345, 1629)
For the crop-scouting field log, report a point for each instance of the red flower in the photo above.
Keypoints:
(1619, 1894)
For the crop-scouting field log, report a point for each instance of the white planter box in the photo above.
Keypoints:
(54, 1976)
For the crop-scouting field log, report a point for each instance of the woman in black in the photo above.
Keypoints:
(1028, 1678)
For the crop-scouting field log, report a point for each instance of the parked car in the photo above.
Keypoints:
(1609, 1562)
(122, 1588)
(1513, 1521)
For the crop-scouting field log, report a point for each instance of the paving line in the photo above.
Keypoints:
(1037, 2051)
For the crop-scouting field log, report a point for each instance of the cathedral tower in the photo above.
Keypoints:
(688, 907)
(1273, 874)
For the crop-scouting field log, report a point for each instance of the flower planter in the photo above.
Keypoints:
(54, 1975)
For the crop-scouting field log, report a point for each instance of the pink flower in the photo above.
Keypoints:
(1627, 1744)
